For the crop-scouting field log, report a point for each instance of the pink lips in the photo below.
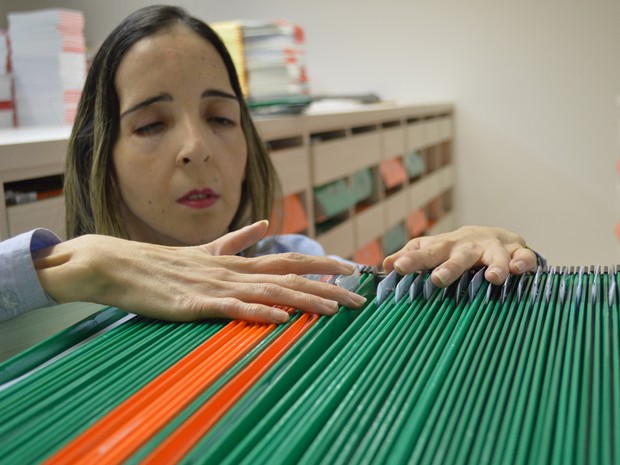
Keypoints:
(199, 198)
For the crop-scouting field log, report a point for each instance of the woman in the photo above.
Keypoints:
(163, 158)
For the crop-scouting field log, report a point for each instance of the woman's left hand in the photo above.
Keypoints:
(453, 253)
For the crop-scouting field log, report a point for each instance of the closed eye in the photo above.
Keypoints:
(150, 129)
(222, 121)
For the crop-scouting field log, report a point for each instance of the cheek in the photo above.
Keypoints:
(135, 181)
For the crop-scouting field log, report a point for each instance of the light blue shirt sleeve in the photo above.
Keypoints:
(290, 243)
(294, 243)
(20, 289)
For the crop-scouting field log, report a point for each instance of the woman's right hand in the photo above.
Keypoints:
(191, 283)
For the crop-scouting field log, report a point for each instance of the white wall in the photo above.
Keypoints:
(534, 84)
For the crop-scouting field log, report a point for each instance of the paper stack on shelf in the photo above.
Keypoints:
(275, 59)
(270, 60)
(7, 107)
(48, 55)
(232, 35)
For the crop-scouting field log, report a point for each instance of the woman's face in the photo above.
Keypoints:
(181, 152)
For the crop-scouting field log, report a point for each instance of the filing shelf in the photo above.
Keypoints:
(337, 145)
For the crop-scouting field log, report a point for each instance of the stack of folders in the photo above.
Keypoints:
(7, 107)
(49, 65)
(271, 62)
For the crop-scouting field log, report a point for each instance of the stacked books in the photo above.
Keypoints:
(270, 60)
(7, 108)
(48, 55)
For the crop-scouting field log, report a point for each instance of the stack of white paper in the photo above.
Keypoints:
(269, 57)
(48, 56)
(275, 59)
(7, 113)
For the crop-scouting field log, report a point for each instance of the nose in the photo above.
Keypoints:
(194, 144)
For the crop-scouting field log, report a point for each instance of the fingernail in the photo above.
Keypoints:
(357, 300)
(520, 265)
(279, 316)
(348, 268)
(331, 306)
(443, 275)
(497, 272)
(404, 265)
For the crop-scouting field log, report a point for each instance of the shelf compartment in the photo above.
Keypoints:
(394, 239)
(47, 213)
(369, 254)
(445, 129)
(294, 218)
(369, 224)
(292, 168)
(337, 241)
(332, 199)
(395, 208)
(426, 189)
(444, 224)
(393, 141)
(393, 172)
(417, 222)
(416, 135)
(338, 158)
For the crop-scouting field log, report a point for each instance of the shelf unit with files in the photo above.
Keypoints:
(361, 182)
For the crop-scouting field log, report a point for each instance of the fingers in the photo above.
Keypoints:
(292, 263)
(299, 292)
(247, 288)
(192, 308)
(236, 241)
(449, 255)
(417, 256)
(239, 310)
(401, 257)
(460, 260)
(496, 258)
(254, 301)
(523, 259)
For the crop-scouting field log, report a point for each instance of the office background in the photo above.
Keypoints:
(536, 88)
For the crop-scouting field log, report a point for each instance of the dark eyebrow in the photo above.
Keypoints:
(218, 93)
(149, 101)
(168, 98)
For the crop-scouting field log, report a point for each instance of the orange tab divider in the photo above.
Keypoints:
(393, 172)
(417, 223)
(369, 254)
(294, 218)
(132, 423)
(175, 446)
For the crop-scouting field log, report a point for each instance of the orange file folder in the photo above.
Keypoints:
(294, 218)
(393, 172)
(369, 254)
(417, 223)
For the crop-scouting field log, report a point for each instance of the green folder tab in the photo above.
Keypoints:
(333, 198)
(394, 239)
(415, 164)
(363, 184)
